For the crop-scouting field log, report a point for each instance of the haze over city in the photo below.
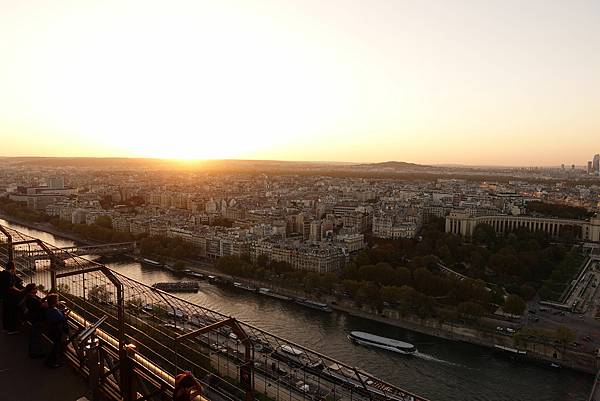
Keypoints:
(466, 82)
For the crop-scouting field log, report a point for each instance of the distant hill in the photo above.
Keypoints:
(393, 165)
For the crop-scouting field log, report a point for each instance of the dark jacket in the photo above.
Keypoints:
(8, 280)
(34, 309)
(57, 323)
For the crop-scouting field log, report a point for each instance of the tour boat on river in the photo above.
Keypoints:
(178, 286)
(313, 304)
(269, 293)
(151, 262)
(371, 340)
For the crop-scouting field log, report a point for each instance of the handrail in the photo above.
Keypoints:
(142, 315)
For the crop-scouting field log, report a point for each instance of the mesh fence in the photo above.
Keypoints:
(162, 327)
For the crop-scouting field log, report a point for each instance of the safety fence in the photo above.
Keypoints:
(132, 339)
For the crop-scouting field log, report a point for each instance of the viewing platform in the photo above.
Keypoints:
(26, 379)
(131, 340)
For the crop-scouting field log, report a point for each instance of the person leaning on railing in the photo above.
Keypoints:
(10, 292)
(187, 387)
(56, 317)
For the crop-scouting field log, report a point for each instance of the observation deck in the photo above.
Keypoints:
(132, 340)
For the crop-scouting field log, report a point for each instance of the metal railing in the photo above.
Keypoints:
(148, 336)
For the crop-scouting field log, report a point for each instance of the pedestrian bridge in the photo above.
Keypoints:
(68, 252)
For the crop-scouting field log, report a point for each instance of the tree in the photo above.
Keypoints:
(262, 260)
(527, 292)
(514, 305)
(470, 309)
(380, 273)
(484, 234)
(104, 221)
(99, 293)
(368, 293)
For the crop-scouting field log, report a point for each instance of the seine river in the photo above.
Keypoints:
(442, 371)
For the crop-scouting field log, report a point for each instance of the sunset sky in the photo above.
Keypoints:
(450, 81)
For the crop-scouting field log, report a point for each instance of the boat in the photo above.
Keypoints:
(244, 287)
(313, 304)
(151, 262)
(269, 293)
(178, 286)
(509, 350)
(362, 338)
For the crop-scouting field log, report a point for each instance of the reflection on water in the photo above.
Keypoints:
(441, 370)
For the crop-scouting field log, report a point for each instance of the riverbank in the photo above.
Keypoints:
(48, 228)
(536, 352)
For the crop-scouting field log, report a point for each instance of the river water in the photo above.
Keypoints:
(441, 371)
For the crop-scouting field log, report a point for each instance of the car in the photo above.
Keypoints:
(532, 311)
(587, 338)
(543, 309)
(510, 330)
(302, 387)
(581, 316)
(499, 328)
(536, 319)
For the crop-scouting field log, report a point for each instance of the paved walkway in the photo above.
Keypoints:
(26, 379)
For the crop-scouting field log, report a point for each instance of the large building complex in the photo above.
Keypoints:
(461, 223)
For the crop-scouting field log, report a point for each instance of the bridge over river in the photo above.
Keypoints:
(33, 251)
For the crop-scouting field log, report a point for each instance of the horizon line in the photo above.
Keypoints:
(182, 160)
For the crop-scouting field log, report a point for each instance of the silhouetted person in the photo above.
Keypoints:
(35, 312)
(57, 328)
(186, 387)
(10, 291)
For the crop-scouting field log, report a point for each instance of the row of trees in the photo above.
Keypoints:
(22, 212)
(561, 211)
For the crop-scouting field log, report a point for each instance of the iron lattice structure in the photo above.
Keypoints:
(148, 336)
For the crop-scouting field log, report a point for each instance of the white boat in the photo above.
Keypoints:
(244, 287)
(362, 338)
(151, 262)
(269, 293)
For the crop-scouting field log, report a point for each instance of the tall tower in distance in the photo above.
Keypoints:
(596, 163)
(589, 169)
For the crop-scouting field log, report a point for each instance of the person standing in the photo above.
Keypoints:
(10, 291)
(34, 313)
(187, 387)
(57, 328)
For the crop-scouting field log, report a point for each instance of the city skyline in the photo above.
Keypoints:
(469, 83)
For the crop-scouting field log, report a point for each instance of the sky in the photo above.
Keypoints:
(451, 81)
